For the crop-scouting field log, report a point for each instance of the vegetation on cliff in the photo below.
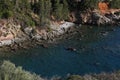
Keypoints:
(40, 12)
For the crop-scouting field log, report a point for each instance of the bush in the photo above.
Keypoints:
(115, 3)
(6, 14)
(8, 71)
(75, 77)
(30, 23)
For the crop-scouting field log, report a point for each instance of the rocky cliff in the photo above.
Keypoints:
(12, 33)
(96, 18)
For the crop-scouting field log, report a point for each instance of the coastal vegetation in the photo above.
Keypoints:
(18, 15)
(41, 12)
(8, 71)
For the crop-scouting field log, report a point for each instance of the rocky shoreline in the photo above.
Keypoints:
(12, 33)
(94, 17)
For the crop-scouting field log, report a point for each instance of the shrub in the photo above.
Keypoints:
(115, 3)
(75, 77)
(6, 14)
(30, 23)
(8, 71)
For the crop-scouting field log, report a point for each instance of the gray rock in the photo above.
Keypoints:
(28, 30)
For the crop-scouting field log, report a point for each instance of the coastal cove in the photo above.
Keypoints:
(97, 50)
(59, 39)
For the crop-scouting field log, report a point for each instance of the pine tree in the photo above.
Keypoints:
(86, 4)
(115, 3)
(21, 5)
(35, 7)
(6, 8)
(65, 10)
(6, 5)
(48, 8)
(45, 10)
(60, 9)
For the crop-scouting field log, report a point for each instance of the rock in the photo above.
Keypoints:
(6, 42)
(98, 19)
(97, 64)
(37, 37)
(28, 33)
(44, 46)
(71, 49)
(7, 37)
(28, 30)
(104, 33)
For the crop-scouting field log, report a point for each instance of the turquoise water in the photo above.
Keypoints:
(97, 51)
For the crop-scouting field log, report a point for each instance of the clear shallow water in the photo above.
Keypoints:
(98, 51)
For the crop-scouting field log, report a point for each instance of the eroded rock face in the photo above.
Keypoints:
(54, 31)
(9, 32)
(96, 18)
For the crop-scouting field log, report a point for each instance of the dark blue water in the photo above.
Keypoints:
(97, 51)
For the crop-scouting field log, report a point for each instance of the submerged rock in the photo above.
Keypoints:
(71, 49)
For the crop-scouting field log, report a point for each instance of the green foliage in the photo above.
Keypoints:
(75, 77)
(6, 14)
(22, 5)
(86, 4)
(65, 9)
(6, 8)
(30, 23)
(58, 9)
(6, 5)
(44, 13)
(115, 3)
(61, 10)
(8, 71)
(44, 9)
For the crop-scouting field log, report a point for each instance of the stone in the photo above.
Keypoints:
(71, 49)
(28, 30)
